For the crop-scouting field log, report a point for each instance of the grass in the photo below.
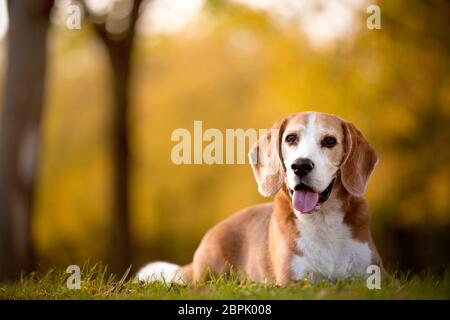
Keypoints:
(97, 283)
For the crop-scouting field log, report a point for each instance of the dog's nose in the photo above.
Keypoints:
(302, 166)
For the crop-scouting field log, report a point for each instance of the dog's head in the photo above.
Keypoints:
(308, 152)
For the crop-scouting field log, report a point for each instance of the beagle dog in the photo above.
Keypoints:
(317, 166)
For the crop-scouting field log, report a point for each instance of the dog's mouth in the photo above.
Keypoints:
(305, 199)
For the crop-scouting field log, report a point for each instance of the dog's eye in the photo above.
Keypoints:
(291, 139)
(329, 142)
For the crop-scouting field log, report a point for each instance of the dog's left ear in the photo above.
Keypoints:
(266, 162)
(359, 161)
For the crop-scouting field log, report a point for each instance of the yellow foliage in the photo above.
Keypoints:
(392, 86)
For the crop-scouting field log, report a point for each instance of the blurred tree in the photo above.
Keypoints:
(236, 67)
(20, 131)
(116, 29)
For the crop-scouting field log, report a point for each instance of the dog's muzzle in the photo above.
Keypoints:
(305, 199)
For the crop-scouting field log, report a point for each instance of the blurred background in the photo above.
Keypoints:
(87, 116)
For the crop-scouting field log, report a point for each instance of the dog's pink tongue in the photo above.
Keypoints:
(305, 200)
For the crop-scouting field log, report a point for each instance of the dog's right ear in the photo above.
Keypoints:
(266, 161)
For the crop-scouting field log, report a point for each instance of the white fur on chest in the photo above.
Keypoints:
(329, 251)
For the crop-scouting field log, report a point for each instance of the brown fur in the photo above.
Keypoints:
(259, 242)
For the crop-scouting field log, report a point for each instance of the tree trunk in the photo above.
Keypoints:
(120, 250)
(119, 47)
(20, 133)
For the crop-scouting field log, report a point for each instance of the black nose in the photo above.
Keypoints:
(302, 166)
